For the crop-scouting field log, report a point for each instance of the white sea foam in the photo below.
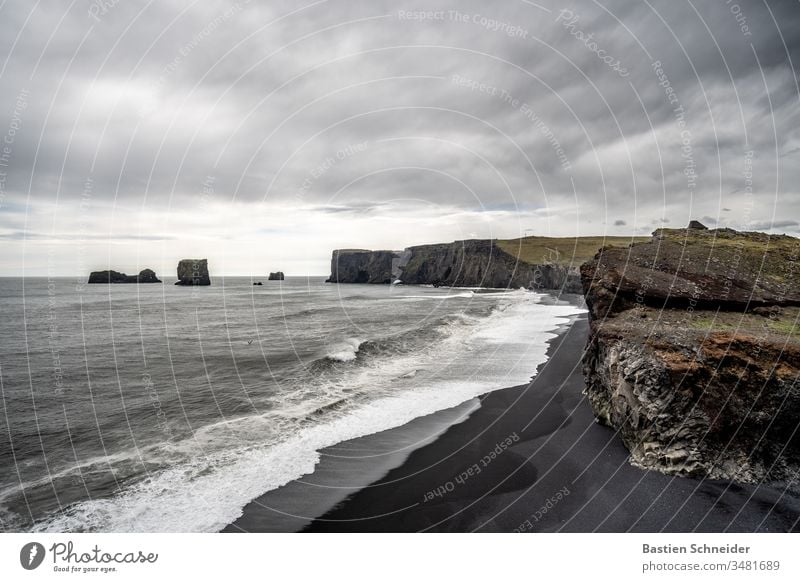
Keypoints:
(345, 350)
(210, 489)
(460, 295)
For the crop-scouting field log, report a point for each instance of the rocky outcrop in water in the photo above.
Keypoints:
(144, 276)
(277, 276)
(694, 355)
(193, 272)
(469, 263)
(362, 266)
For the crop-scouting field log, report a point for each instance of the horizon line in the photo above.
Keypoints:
(165, 276)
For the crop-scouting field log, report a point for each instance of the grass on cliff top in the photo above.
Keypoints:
(750, 256)
(562, 250)
(748, 241)
(751, 324)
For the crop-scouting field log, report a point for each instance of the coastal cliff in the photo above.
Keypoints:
(531, 262)
(144, 276)
(694, 355)
(482, 263)
(362, 266)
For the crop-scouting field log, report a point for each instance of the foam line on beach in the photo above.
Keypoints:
(185, 497)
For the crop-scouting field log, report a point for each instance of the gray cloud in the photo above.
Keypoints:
(192, 120)
(777, 224)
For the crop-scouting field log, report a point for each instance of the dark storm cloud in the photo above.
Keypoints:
(350, 108)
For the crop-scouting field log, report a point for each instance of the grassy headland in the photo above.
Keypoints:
(562, 250)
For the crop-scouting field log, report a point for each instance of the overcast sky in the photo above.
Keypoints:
(264, 134)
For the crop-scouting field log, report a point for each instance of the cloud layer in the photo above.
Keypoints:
(263, 136)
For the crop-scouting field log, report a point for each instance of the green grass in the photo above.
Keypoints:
(785, 327)
(562, 250)
(750, 324)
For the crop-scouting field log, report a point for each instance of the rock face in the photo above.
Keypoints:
(481, 263)
(361, 266)
(278, 276)
(193, 272)
(144, 276)
(693, 354)
(469, 263)
(703, 269)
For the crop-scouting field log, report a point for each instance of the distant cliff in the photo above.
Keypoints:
(482, 263)
(532, 262)
(362, 266)
(144, 276)
(694, 352)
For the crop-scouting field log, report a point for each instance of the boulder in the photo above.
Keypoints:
(696, 225)
(193, 272)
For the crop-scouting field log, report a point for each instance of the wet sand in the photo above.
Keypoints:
(528, 458)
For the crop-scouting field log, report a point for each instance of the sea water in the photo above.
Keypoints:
(162, 408)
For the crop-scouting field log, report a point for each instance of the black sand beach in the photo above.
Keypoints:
(529, 458)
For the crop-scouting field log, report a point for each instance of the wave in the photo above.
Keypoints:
(521, 292)
(345, 351)
(352, 349)
(479, 292)
(454, 359)
(461, 295)
(186, 498)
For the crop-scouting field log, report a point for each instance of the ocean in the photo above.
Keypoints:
(162, 408)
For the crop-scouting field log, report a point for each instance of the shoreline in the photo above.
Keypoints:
(526, 458)
(354, 464)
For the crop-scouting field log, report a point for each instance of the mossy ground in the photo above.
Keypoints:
(750, 256)
(784, 324)
(563, 251)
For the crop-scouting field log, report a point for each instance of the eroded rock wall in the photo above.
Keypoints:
(470, 263)
(693, 390)
(362, 266)
(144, 276)
(193, 272)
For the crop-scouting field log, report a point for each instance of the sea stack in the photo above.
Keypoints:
(193, 272)
(144, 276)
(277, 276)
(362, 266)
(693, 354)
